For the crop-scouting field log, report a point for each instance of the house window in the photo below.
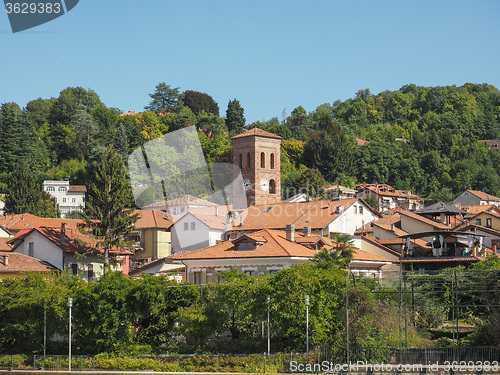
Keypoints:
(246, 245)
(241, 161)
(31, 247)
(248, 160)
(478, 221)
(250, 273)
(262, 160)
(488, 222)
(186, 226)
(61, 189)
(272, 187)
(74, 269)
(193, 225)
(64, 200)
(50, 188)
(73, 200)
(90, 271)
(197, 278)
(355, 209)
(361, 210)
(272, 161)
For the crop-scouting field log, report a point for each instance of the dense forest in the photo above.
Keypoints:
(426, 139)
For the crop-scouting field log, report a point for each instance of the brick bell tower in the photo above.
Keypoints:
(257, 153)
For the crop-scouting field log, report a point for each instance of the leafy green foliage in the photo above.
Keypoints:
(164, 99)
(198, 102)
(235, 119)
(107, 210)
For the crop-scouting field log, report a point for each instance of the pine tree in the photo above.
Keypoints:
(164, 99)
(23, 193)
(235, 120)
(121, 141)
(106, 209)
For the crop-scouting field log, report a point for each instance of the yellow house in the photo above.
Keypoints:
(151, 236)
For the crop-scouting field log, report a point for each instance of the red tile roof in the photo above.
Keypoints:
(74, 241)
(18, 263)
(273, 244)
(4, 246)
(77, 189)
(257, 132)
(26, 221)
(152, 219)
(316, 214)
(361, 142)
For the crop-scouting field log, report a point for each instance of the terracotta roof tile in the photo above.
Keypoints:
(257, 132)
(316, 214)
(152, 219)
(364, 255)
(274, 244)
(18, 263)
(77, 189)
(4, 246)
(74, 241)
(26, 221)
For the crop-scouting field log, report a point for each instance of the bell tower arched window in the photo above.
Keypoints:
(272, 161)
(262, 160)
(272, 187)
(241, 161)
(248, 160)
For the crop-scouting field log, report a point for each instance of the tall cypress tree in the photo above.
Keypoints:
(235, 120)
(106, 209)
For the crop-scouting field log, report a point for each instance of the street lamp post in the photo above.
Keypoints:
(268, 330)
(70, 305)
(307, 328)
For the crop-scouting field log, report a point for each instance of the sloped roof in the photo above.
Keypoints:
(185, 199)
(441, 207)
(364, 255)
(77, 189)
(483, 196)
(74, 241)
(257, 132)
(152, 219)
(423, 219)
(26, 221)
(274, 244)
(4, 246)
(18, 263)
(316, 214)
(477, 209)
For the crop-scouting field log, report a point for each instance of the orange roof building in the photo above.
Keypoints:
(63, 249)
(13, 264)
(388, 198)
(264, 252)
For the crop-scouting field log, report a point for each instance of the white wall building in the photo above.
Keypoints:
(70, 198)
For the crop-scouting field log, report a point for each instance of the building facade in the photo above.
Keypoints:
(70, 198)
(257, 154)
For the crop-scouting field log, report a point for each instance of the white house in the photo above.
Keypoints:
(199, 228)
(70, 198)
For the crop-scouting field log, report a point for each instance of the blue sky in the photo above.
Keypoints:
(271, 55)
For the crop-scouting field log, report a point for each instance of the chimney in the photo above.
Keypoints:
(6, 259)
(63, 234)
(216, 211)
(290, 232)
(307, 231)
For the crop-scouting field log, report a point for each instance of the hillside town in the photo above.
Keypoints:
(268, 235)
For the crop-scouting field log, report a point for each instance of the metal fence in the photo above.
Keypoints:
(48, 362)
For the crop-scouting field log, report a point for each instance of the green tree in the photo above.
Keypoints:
(106, 209)
(235, 119)
(311, 182)
(164, 99)
(121, 141)
(199, 101)
(23, 193)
